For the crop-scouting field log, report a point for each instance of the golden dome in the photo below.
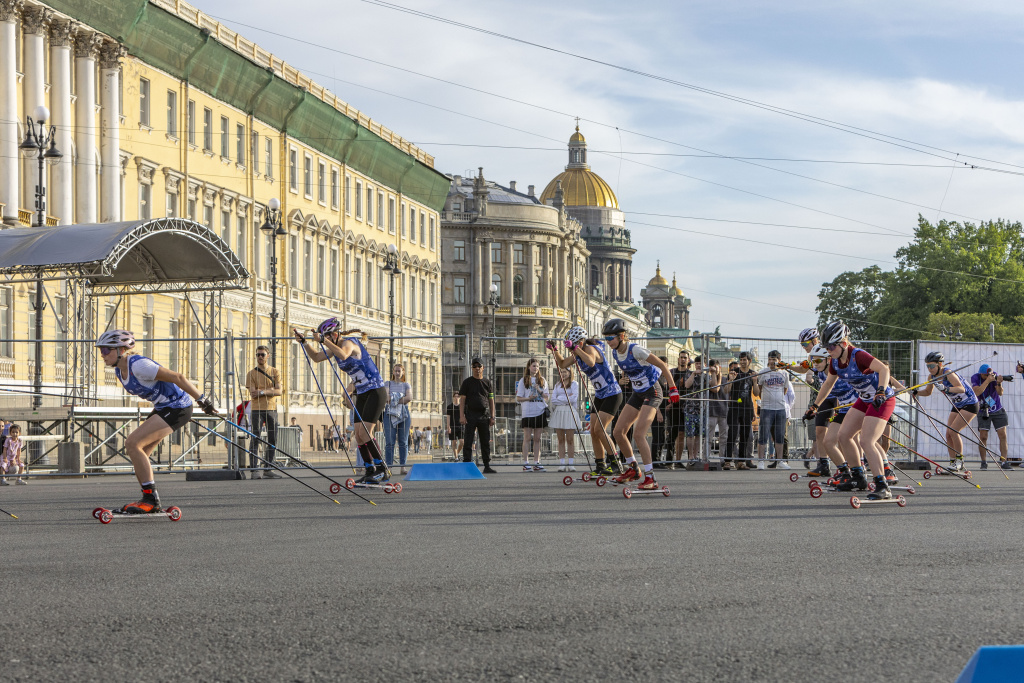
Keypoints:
(581, 187)
(658, 280)
(675, 291)
(577, 136)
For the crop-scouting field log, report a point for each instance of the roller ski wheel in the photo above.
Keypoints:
(794, 477)
(106, 516)
(388, 488)
(602, 480)
(966, 474)
(567, 480)
(856, 502)
(812, 483)
(335, 487)
(585, 476)
(398, 486)
(816, 492)
(349, 484)
(927, 474)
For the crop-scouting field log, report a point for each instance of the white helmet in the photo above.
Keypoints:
(808, 334)
(818, 351)
(575, 335)
(115, 338)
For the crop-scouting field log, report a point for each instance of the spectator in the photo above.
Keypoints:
(741, 412)
(428, 438)
(532, 394)
(676, 415)
(476, 414)
(396, 417)
(264, 385)
(564, 419)
(294, 423)
(718, 410)
(455, 429)
(988, 386)
(10, 458)
(772, 387)
(417, 436)
(694, 424)
(659, 428)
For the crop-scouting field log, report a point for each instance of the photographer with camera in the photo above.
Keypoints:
(988, 386)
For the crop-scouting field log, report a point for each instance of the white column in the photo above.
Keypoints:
(85, 127)
(485, 261)
(529, 292)
(110, 133)
(32, 26)
(60, 204)
(9, 138)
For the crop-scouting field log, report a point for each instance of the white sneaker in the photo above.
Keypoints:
(22, 482)
(527, 468)
(783, 465)
(761, 465)
(562, 468)
(4, 482)
(570, 468)
(539, 468)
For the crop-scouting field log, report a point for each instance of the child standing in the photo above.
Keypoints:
(11, 458)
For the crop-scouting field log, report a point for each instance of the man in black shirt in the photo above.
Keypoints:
(476, 413)
(741, 413)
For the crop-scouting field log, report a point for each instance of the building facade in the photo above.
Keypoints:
(666, 304)
(179, 116)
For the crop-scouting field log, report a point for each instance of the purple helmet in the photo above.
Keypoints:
(328, 326)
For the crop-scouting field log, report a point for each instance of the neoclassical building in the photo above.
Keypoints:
(590, 200)
(667, 306)
(160, 110)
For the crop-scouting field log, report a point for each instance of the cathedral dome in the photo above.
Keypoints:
(675, 291)
(658, 280)
(580, 185)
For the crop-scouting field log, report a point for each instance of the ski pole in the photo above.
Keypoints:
(267, 462)
(9, 513)
(316, 379)
(298, 460)
(924, 457)
(360, 419)
(971, 427)
(939, 438)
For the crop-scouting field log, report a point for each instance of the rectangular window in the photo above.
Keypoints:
(257, 236)
(293, 170)
(172, 205)
(359, 200)
(321, 183)
(459, 248)
(147, 335)
(307, 176)
(460, 337)
(6, 315)
(369, 205)
(207, 129)
(423, 228)
(268, 158)
(172, 113)
(321, 286)
(208, 216)
(271, 260)
(369, 282)
(380, 289)
(192, 122)
(191, 209)
(348, 277)
(391, 215)
(242, 237)
(254, 150)
(240, 144)
(334, 272)
(357, 281)
(518, 253)
(307, 265)
(144, 102)
(172, 352)
(495, 252)
(225, 141)
(225, 227)
(401, 219)
(433, 302)
(412, 225)
(380, 210)
(293, 261)
(431, 233)
(145, 198)
(522, 344)
(423, 298)
(348, 194)
(412, 297)
(334, 188)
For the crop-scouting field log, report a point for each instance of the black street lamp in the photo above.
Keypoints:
(41, 143)
(392, 269)
(272, 226)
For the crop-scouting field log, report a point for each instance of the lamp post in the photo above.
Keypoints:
(40, 143)
(493, 303)
(392, 269)
(272, 226)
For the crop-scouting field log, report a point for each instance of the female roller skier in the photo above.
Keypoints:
(643, 369)
(371, 396)
(866, 420)
(963, 408)
(168, 391)
(588, 354)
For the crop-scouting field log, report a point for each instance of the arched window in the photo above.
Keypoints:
(679, 321)
(595, 278)
(517, 289)
(656, 312)
(496, 281)
(538, 291)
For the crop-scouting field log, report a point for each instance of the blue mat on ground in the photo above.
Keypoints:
(444, 471)
(992, 663)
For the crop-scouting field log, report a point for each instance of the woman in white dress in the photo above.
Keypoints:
(532, 393)
(564, 419)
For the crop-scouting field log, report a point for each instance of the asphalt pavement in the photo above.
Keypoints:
(736, 576)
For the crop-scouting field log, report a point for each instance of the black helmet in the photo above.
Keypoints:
(834, 333)
(613, 326)
(774, 354)
(934, 357)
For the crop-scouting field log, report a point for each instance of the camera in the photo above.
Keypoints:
(1007, 378)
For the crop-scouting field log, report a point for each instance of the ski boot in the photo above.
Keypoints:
(630, 473)
(881, 491)
(149, 503)
(855, 479)
(382, 471)
(821, 470)
(648, 484)
(367, 478)
(956, 464)
(890, 478)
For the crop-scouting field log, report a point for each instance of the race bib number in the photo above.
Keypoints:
(599, 383)
(638, 384)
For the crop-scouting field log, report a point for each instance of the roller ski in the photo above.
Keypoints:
(880, 493)
(599, 475)
(820, 471)
(648, 485)
(106, 516)
(385, 486)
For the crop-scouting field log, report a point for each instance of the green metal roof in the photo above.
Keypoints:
(168, 42)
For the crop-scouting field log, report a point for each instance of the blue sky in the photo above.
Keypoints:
(938, 73)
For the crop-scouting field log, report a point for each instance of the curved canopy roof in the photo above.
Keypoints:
(160, 254)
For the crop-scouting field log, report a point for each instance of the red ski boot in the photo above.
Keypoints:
(631, 473)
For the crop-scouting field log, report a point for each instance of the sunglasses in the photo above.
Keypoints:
(261, 355)
(832, 347)
(931, 365)
(611, 338)
(104, 350)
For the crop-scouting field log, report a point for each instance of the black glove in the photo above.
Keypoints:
(812, 410)
(879, 399)
(206, 405)
(913, 392)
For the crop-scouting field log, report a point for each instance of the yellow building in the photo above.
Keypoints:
(161, 111)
